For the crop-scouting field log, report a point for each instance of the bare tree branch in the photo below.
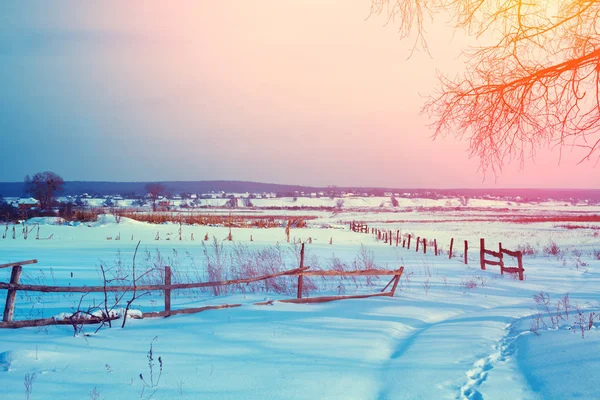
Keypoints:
(537, 84)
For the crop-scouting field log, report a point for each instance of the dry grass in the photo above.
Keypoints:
(232, 221)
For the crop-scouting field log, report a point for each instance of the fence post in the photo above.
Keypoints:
(501, 258)
(397, 237)
(391, 238)
(435, 247)
(424, 246)
(482, 253)
(404, 243)
(520, 263)
(450, 252)
(168, 291)
(408, 247)
(11, 295)
(466, 249)
(300, 276)
(418, 240)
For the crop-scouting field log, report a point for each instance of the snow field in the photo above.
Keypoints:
(438, 338)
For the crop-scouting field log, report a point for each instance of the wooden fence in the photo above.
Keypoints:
(500, 256)
(388, 237)
(359, 227)
(13, 286)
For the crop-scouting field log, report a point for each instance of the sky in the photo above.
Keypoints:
(311, 92)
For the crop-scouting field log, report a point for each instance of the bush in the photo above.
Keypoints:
(527, 249)
(552, 249)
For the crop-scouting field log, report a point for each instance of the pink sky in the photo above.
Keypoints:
(303, 92)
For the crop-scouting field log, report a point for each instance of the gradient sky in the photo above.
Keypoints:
(284, 91)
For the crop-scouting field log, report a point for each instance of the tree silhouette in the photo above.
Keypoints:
(155, 190)
(536, 84)
(44, 186)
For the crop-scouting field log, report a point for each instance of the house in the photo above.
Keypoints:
(27, 204)
(163, 205)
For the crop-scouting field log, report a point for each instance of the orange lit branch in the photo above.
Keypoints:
(536, 84)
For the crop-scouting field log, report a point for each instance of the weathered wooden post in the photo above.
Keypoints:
(424, 246)
(391, 238)
(482, 253)
(450, 252)
(501, 258)
(403, 242)
(520, 264)
(466, 250)
(300, 276)
(408, 247)
(168, 291)
(11, 295)
(417, 245)
(397, 237)
(435, 247)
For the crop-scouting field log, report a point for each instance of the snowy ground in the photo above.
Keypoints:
(451, 331)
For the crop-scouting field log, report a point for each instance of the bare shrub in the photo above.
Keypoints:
(552, 249)
(152, 381)
(526, 249)
(215, 264)
(28, 382)
(468, 283)
(542, 301)
(426, 286)
(583, 322)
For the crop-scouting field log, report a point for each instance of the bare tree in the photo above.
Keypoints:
(155, 190)
(44, 186)
(536, 83)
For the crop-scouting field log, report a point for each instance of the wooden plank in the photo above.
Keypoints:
(10, 265)
(174, 286)
(512, 269)
(360, 272)
(11, 296)
(492, 253)
(511, 253)
(325, 299)
(187, 311)
(489, 262)
(52, 321)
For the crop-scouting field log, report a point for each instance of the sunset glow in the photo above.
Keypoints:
(305, 92)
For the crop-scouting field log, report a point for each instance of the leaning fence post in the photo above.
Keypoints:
(450, 252)
(300, 276)
(9, 308)
(400, 271)
(168, 291)
(408, 247)
(417, 245)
